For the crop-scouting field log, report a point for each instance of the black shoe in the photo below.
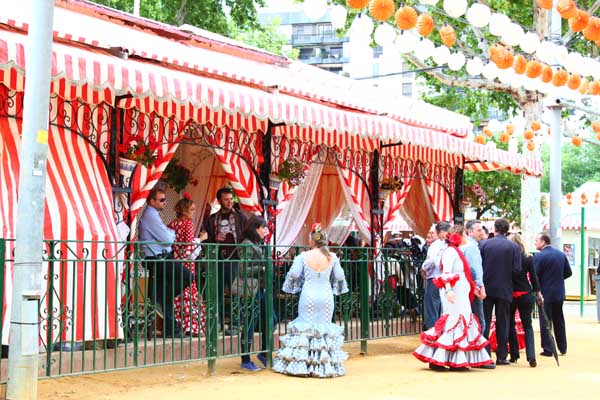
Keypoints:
(437, 367)
(532, 363)
(546, 354)
(514, 359)
(502, 362)
(487, 366)
(563, 354)
(459, 369)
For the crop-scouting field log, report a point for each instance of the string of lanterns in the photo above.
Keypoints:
(582, 198)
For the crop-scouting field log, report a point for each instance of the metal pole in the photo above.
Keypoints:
(24, 326)
(136, 8)
(555, 175)
(582, 258)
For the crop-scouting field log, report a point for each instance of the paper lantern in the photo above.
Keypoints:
(583, 88)
(382, 10)
(425, 25)
(474, 66)
(560, 78)
(488, 132)
(424, 49)
(384, 35)
(598, 136)
(480, 139)
(510, 129)
(455, 8)
(490, 71)
(456, 61)
(338, 15)
(498, 22)
(406, 42)
(357, 4)
(594, 88)
(574, 81)
(531, 145)
(533, 69)
(406, 18)
(479, 15)
(567, 8)
(504, 138)
(547, 74)
(545, 4)
(520, 64)
(535, 126)
(513, 34)
(596, 126)
(530, 42)
(576, 140)
(579, 22)
(440, 55)
(528, 135)
(448, 35)
(315, 9)
(429, 2)
(592, 29)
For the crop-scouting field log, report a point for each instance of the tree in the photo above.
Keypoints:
(579, 165)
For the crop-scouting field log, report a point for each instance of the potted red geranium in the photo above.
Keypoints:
(136, 150)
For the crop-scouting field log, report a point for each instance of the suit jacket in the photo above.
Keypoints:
(501, 258)
(552, 269)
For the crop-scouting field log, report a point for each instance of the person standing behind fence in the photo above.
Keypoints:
(431, 270)
(190, 311)
(312, 346)
(225, 228)
(501, 259)
(475, 234)
(168, 277)
(525, 284)
(552, 268)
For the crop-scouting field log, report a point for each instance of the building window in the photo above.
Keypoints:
(305, 53)
(407, 88)
(336, 52)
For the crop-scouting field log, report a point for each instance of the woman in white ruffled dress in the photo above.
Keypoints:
(313, 344)
(455, 341)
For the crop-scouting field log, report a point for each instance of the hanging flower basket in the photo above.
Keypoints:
(383, 194)
(292, 171)
(274, 182)
(126, 167)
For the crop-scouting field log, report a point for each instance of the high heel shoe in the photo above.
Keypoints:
(514, 359)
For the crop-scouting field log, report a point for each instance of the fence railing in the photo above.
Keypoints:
(108, 306)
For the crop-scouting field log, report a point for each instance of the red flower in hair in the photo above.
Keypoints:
(454, 239)
(187, 196)
(316, 227)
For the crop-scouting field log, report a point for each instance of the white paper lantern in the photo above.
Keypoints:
(544, 52)
(503, 76)
(596, 70)
(573, 62)
(424, 49)
(498, 23)
(456, 61)
(429, 2)
(361, 29)
(474, 66)
(512, 35)
(315, 9)
(384, 35)
(440, 55)
(406, 42)
(479, 15)
(561, 54)
(495, 125)
(338, 15)
(490, 71)
(530, 42)
(455, 8)
(513, 145)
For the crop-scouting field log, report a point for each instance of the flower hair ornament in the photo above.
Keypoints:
(187, 196)
(315, 230)
(454, 239)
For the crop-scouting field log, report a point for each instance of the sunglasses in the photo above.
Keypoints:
(162, 200)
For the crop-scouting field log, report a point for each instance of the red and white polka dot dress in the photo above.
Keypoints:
(190, 310)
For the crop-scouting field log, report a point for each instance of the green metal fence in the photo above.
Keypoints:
(106, 306)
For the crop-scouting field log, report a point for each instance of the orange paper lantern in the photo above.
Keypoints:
(480, 139)
(425, 25)
(547, 74)
(520, 64)
(545, 4)
(594, 88)
(505, 137)
(560, 78)
(382, 10)
(576, 140)
(533, 69)
(592, 29)
(567, 9)
(598, 136)
(578, 23)
(528, 135)
(583, 88)
(510, 129)
(535, 126)
(448, 35)
(406, 18)
(530, 145)
(358, 4)
(569, 196)
(488, 132)
(596, 126)
(574, 81)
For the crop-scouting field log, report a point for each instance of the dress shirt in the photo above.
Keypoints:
(153, 229)
(434, 256)
(473, 256)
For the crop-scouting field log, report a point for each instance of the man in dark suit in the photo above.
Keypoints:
(552, 268)
(501, 258)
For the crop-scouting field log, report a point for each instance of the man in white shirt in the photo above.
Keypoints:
(430, 270)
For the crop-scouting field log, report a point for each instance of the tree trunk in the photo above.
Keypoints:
(531, 215)
(182, 13)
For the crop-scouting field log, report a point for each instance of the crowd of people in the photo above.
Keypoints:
(468, 276)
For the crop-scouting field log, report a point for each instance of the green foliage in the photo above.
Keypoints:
(579, 165)
(267, 38)
(178, 176)
(502, 194)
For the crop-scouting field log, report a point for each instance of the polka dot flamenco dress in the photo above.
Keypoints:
(313, 345)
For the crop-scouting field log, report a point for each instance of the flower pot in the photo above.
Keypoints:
(126, 167)
(274, 182)
(383, 194)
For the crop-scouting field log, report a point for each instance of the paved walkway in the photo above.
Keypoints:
(388, 372)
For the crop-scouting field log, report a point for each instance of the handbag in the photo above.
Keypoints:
(244, 286)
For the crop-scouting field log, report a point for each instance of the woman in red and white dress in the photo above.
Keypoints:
(189, 309)
(455, 341)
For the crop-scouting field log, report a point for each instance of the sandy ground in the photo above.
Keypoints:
(389, 371)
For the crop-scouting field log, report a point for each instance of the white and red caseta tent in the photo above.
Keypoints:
(114, 74)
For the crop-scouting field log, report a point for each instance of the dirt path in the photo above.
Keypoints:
(388, 372)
